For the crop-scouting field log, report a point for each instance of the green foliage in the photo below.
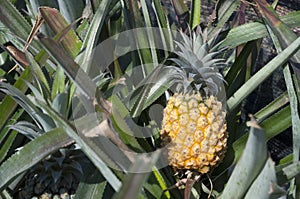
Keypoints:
(111, 105)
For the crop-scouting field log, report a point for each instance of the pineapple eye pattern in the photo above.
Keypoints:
(203, 142)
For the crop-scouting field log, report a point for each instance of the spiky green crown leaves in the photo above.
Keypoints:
(199, 69)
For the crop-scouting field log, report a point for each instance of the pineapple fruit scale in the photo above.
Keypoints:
(194, 124)
(195, 129)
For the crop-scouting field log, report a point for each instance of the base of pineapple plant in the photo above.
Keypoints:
(57, 176)
(31, 188)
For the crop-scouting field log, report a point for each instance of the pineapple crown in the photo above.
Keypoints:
(198, 68)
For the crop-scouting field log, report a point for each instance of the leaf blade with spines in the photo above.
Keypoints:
(255, 30)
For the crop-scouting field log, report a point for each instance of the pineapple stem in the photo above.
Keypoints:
(188, 188)
(190, 181)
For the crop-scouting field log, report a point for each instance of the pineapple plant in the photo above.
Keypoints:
(193, 130)
(194, 122)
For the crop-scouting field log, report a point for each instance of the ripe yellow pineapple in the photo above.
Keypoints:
(194, 126)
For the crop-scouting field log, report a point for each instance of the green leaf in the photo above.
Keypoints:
(263, 186)
(57, 23)
(8, 105)
(249, 165)
(179, 7)
(26, 103)
(261, 75)
(7, 136)
(237, 68)
(91, 186)
(28, 129)
(58, 82)
(285, 37)
(256, 30)
(273, 125)
(288, 173)
(133, 183)
(92, 36)
(160, 14)
(140, 40)
(6, 146)
(119, 113)
(71, 10)
(195, 13)
(150, 33)
(294, 112)
(283, 33)
(73, 71)
(272, 107)
(35, 68)
(224, 9)
(15, 22)
(32, 153)
(60, 104)
(153, 86)
(161, 182)
(5, 195)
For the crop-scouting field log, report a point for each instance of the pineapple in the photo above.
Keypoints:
(194, 123)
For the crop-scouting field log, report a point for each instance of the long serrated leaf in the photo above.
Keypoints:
(294, 112)
(15, 22)
(161, 79)
(295, 123)
(248, 166)
(255, 30)
(140, 39)
(262, 74)
(160, 14)
(32, 153)
(139, 103)
(60, 104)
(14, 117)
(284, 36)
